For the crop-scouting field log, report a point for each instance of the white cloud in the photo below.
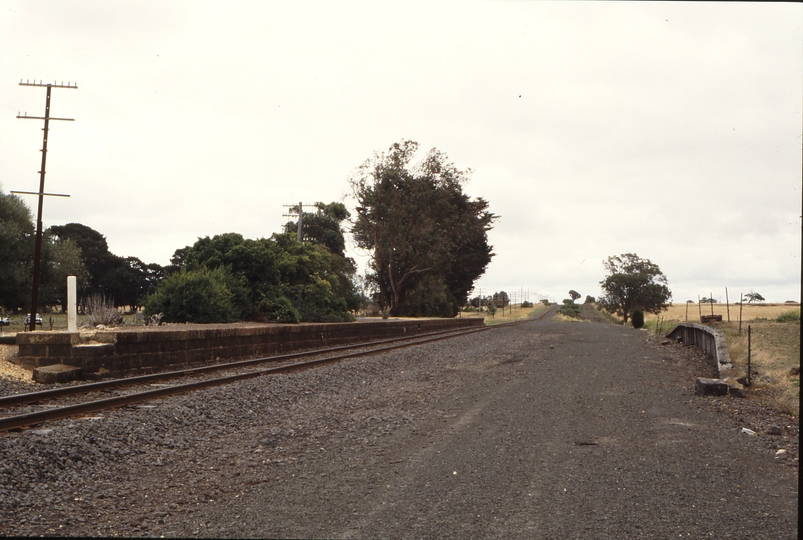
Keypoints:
(593, 129)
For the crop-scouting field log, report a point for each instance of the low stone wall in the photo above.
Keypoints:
(712, 342)
(113, 353)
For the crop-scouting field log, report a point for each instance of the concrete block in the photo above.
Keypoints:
(710, 387)
(56, 373)
(735, 389)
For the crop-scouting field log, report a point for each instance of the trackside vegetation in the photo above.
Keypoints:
(227, 278)
(427, 239)
(633, 283)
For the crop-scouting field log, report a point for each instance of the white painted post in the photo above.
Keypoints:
(72, 306)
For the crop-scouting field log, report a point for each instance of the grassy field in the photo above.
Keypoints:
(750, 312)
(58, 320)
(775, 346)
(516, 314)
(774, 351)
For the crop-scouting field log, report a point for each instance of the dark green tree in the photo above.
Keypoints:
(569, 308)
(421, 230)
(753, 297)
(324, 227)
(126, 280)
(202, 296)
(310, 277)
(633, 282)
(95, 254)
(284, 280)
(17, 234)
(61, 258)
(638, 318)
(501, 299)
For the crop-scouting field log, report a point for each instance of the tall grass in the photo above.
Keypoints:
(774, 351)
(789, 316)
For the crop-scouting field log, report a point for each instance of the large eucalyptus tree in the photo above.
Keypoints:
(427, 239)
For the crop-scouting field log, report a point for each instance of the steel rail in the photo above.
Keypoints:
(34, 418)
(33, 397)
(12, 422)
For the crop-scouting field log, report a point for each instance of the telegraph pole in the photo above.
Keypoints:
(41, 193)
(300, 214)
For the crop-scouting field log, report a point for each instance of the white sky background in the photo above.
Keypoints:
(672, 130)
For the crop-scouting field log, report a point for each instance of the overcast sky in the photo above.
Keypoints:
(672, 130)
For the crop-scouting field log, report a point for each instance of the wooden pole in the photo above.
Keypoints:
(749, 333)
(727, 304)
(711, 301)
(687, 311)
(741, 301)
(700, 307)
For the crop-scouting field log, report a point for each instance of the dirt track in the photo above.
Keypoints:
(543, 430)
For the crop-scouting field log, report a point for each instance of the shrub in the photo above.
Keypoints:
(201, 296)
(279, 310)
(526, 304)
(637, 318)
(569, 308)
(101, 310)
(789, 316)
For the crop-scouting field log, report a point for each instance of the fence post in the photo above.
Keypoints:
(727, 304)
(749, 344)
(741, 302)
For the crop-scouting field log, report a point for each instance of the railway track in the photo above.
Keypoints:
(128, 391)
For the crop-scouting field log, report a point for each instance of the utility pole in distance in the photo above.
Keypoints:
(300, 214)
(41, 193)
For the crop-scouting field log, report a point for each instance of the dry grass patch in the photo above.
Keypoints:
(775, 346)
(775, 351)
(516, 314)
(750, 312)
(565, 318)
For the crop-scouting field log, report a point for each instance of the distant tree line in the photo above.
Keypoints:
(427, 241)
(67, 250)
(227, 277)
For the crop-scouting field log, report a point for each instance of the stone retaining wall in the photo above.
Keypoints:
(110, 353)
(710, 340)
(731, 379)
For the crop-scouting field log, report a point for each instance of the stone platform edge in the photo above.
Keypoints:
(731, 379)
(110, 353)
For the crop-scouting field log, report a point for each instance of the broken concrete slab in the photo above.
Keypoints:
(718, 387)
(710, 387)
(735, 388)
(56, 373)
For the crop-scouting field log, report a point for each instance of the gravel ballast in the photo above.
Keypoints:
(549, 430)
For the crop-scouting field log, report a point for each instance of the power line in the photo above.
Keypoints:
(300, 213)
(41, 193)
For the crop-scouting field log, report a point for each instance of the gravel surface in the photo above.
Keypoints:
(549, 430)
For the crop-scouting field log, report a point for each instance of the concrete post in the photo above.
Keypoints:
(72, 306)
